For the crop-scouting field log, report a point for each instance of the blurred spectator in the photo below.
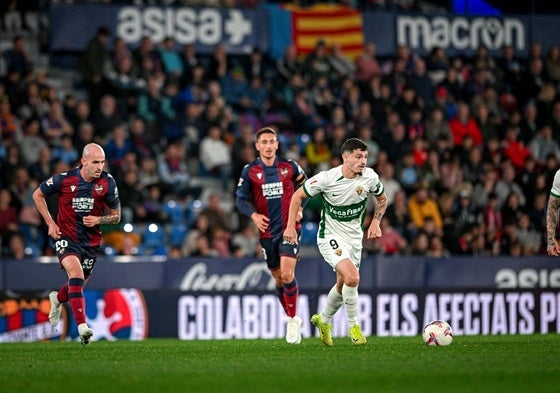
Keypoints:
(421, 206)
(171, 60)
(422, 83)
(190, 62)
(530, 123)
(506, 185)
(552, 63)
(215, 156)
(10, 164)
(391, 241)
(288, 65)
(485, 122)
(105, 118)
(17, 59)
(219, 64)
(397, 146)
(151, 207)
(420, 244)
(316, 64)
(437, 249)
(146, 53)
(80, 114)
(542, 145)
(16, 246)
(8, 218)
(367, 65)
(95, 64)
(32, 105)
(317, 151)
(341, 64)
(529, 238)
(464, 212)
(32, 143)
(235, 87)
(399, 216)
(42, 168)
(514, 149)
(66, 152)
(464, 125)
(436, 65)
(245, 242)
(83, 136)
(154, 108)
(117, 146)
(10, 125)
(174, 174)
(55, 125)
(197, 242)
(214, 211)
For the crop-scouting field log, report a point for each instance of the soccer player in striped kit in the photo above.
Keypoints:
(87, 198)
(345, 190)
(264, 191)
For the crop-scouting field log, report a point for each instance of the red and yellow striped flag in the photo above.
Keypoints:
(329, 22)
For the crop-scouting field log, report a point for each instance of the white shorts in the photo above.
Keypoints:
(335, 250)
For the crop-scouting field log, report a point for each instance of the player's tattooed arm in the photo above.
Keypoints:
(380, 207)
(552, 219)
(113, 217)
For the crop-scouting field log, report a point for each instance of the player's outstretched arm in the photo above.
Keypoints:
(41, 204)
(552, 246)
(374, 230)
(290, 233)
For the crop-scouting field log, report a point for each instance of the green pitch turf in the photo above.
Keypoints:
(471, 364)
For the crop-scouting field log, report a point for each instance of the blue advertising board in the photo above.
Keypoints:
(239, 30)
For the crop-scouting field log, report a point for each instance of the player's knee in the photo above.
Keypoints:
(352, 280)
(287, 276)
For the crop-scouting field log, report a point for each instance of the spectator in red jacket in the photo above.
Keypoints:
(514, 149)
(464, 124)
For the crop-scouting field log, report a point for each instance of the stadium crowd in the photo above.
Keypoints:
(466, 146)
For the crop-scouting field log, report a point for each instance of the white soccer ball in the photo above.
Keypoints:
(437, 333)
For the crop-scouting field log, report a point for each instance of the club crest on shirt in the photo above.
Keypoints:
(259, 175)
(338, 252)
(98, 188)
(359, 190)
(283, 172)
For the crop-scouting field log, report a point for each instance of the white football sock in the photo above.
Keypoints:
(334, 301)
(350, 297)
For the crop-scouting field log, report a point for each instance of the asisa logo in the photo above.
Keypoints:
(24, 317)
(115, 314)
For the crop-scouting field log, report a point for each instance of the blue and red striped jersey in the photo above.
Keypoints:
(270, 188)
(78, 198)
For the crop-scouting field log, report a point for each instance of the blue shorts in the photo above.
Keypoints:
(273, 249)
(87, 255)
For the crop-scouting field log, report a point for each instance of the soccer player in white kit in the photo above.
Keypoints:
(552, 245)
(344, 191)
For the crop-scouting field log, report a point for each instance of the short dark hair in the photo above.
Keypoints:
(265, 130)
(353, 144)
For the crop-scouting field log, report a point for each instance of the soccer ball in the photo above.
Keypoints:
(437, 333)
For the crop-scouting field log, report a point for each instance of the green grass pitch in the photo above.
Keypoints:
(470, 364)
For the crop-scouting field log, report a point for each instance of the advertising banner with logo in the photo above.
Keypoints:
(259, 315)
(131, 314)
(241, 275)
(239, 30)
(112, 314)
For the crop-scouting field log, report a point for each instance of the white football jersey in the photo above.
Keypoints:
(344, 202)
(556, 185)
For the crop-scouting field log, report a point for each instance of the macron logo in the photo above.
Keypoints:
(72, 187)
